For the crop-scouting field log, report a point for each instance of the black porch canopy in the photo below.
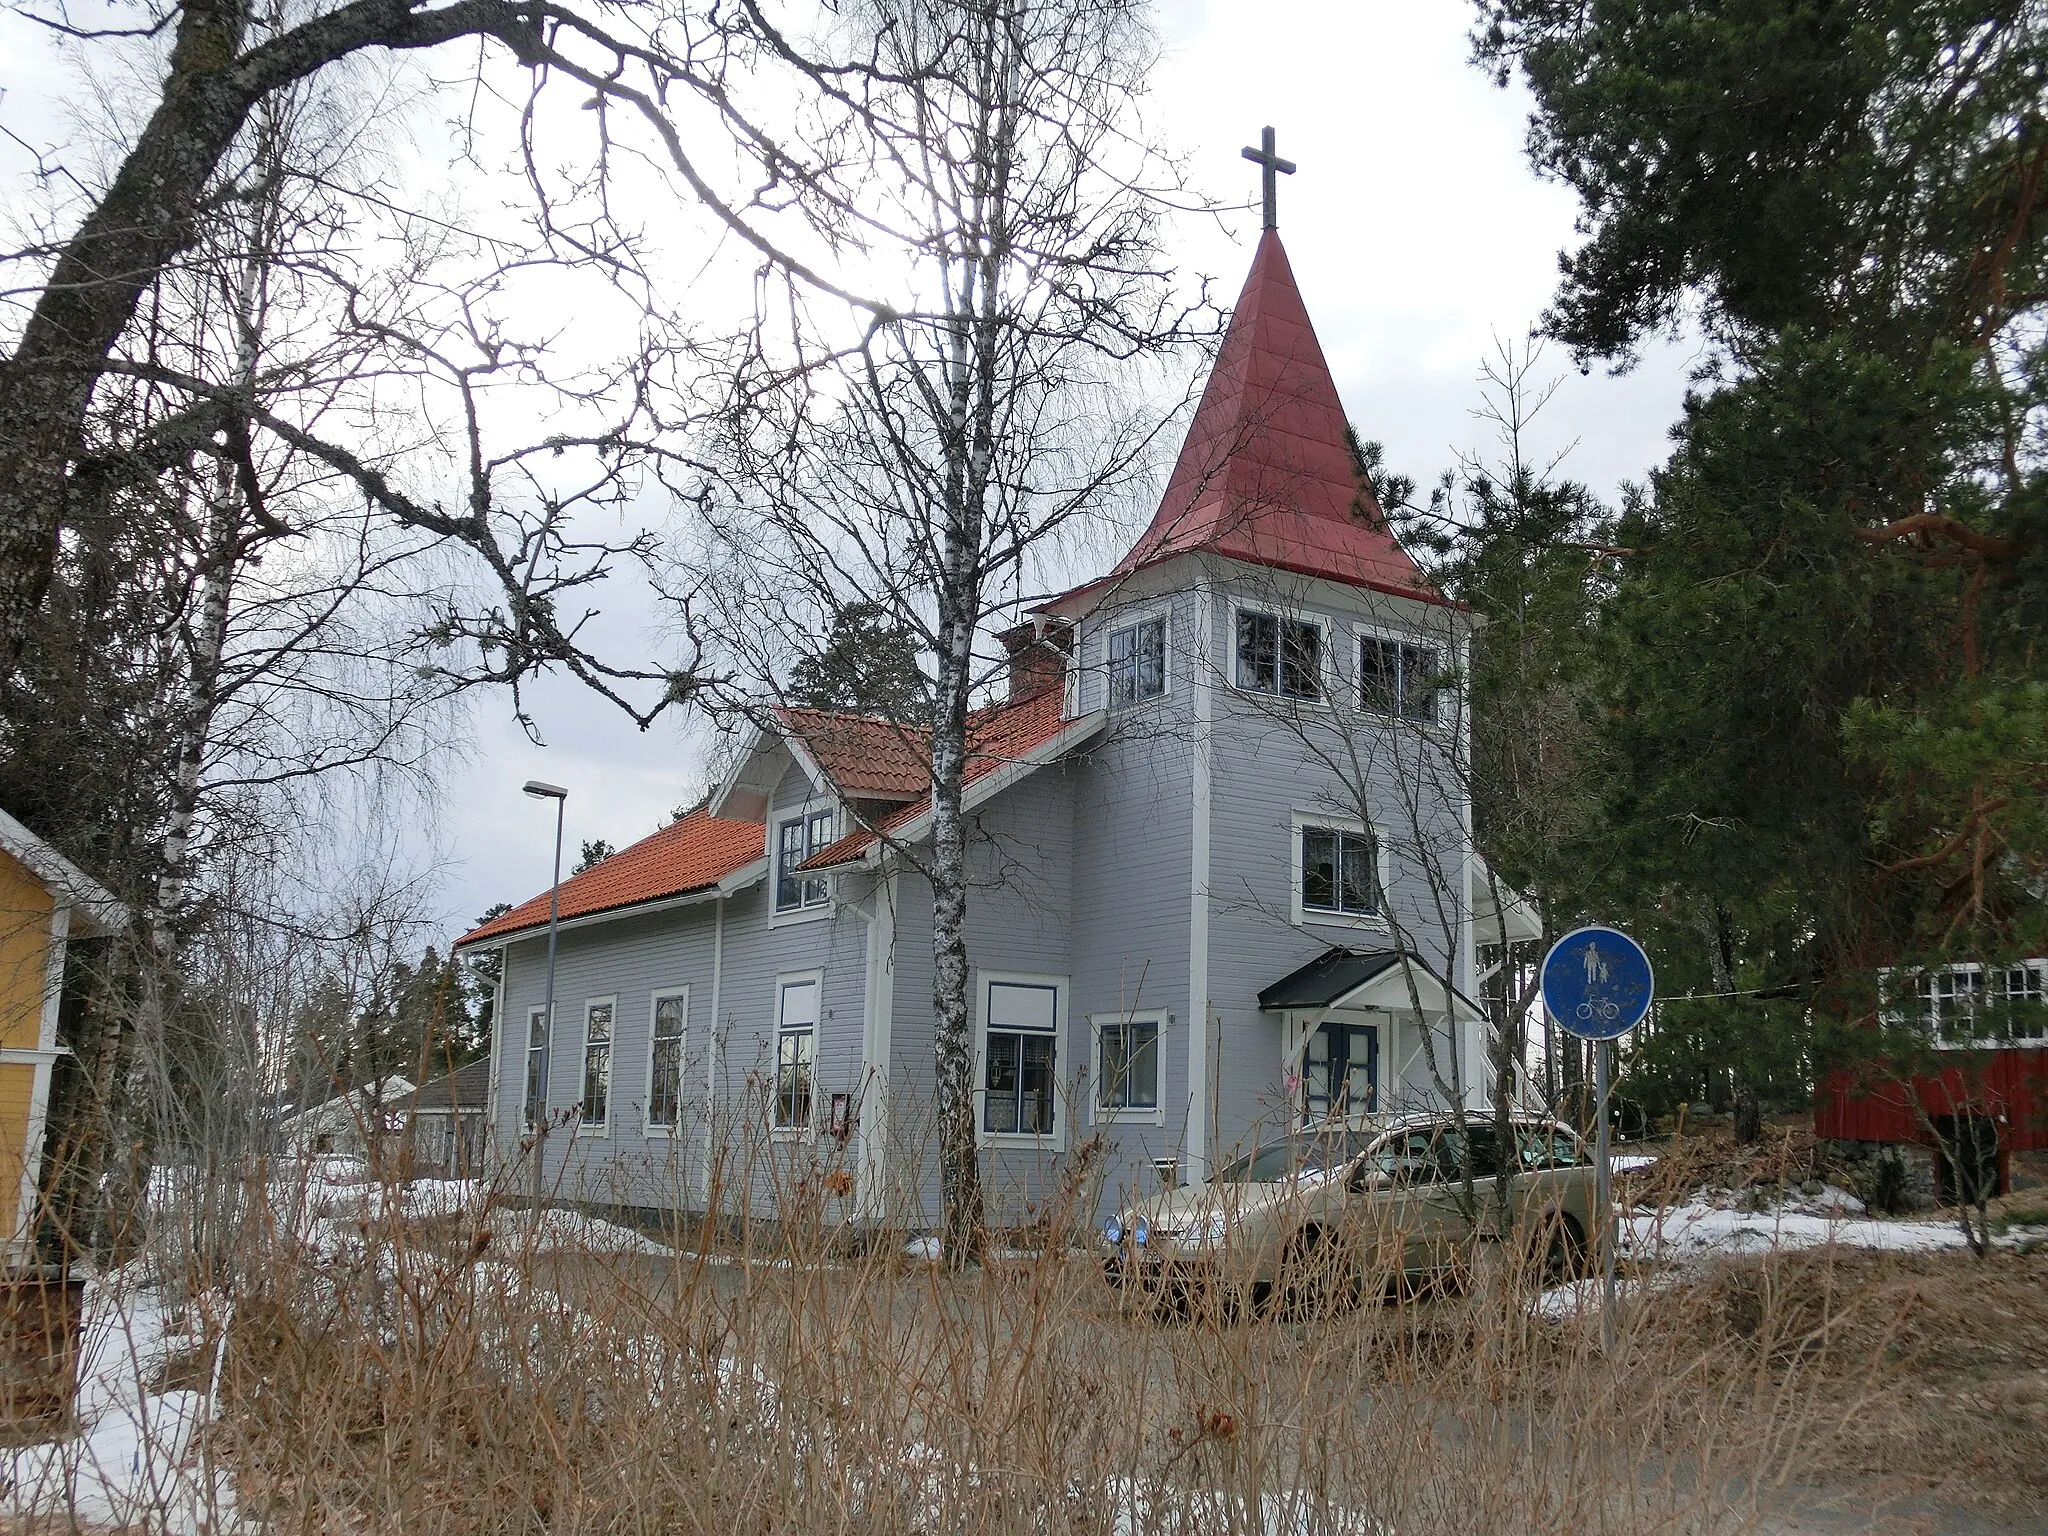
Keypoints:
(1336, 973)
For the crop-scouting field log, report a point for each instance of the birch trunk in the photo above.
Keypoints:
(220, 553)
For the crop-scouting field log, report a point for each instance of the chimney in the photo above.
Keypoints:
(1038, 656)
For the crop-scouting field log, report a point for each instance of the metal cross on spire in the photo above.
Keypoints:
(1271, 167)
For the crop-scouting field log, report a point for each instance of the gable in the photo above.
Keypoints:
(751, 785)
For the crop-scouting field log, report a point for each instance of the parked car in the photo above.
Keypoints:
(1347, 1209)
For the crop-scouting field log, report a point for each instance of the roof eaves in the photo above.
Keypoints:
(738, 880)
(84, 895)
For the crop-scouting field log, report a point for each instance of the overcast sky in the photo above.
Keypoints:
(1420, 239)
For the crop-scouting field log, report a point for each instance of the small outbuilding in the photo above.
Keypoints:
(367, 1122)
(448, 1119)
(46, 901)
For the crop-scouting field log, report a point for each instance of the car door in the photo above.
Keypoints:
(1416, 1215)
(1556, 1177)
(1451, 1213)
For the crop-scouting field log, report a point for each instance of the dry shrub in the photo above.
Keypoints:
(1945, 1355)
(1707, 1157)
(431, 1377)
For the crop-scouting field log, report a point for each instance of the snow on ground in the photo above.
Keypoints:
(1700, 1227)
(1151, 1506)
(572, 1231)
(1711, 1225)
(1628, 1162)
(134, 1460)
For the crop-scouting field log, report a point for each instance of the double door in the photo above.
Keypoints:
(1340, 1071)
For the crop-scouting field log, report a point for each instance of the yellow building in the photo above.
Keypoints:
(45, 901)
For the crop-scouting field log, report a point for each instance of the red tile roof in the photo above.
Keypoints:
(865, 758)
(690, 854)
(1005, 733)
(1265, 475)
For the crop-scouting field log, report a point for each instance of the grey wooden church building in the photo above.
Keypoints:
(1222, 875)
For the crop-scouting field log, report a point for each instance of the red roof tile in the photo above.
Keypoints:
(1265, 475)
(691, 854)
(865, 758)
(1004, 733)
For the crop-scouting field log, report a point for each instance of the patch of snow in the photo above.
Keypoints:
(137, 1459)
(1139, 1506)
(572, 1231)
(1829, 1201)
(442, 1197)
(1710, 1226)
(1699, 1228)
(927, 1249)
(1628, 1162)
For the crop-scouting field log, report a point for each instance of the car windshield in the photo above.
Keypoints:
(1283, 1159)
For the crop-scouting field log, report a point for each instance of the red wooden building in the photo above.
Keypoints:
(1991, 1102)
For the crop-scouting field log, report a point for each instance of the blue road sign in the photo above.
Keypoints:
(1597, 983)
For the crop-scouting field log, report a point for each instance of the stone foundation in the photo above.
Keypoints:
(1859, 1160)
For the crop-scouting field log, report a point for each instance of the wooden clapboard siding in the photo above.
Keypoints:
(25, 907)
(17, 1086)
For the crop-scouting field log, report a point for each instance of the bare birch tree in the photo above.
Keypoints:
(654, 76)
(920, 468)
(268, 649)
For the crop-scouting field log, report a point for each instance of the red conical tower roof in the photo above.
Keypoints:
(1265, 476)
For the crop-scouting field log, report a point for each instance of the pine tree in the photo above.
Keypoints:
(866, 664)
(1821, 684)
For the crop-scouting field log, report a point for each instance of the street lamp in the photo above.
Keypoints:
(560, 796)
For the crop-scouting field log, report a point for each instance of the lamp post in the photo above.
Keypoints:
(560, 796)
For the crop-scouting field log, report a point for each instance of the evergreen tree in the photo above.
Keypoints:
(1820, 684)
(481, 973)
(865, 664)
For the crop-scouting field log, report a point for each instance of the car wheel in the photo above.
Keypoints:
(1308, 1287)
(1564, 1251)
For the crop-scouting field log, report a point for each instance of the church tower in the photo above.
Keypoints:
(1279, 676)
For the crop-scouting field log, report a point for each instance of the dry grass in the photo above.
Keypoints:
(464, 1388)
(442, 1376)
(1947, 1357)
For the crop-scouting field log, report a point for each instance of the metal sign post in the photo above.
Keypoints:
(1603, 1187)
(1597, 984)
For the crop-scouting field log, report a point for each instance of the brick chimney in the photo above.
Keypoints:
(1038, 656)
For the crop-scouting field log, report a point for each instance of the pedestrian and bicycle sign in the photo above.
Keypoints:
(1597, 983)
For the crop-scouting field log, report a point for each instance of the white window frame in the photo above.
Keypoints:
(651, 1128)
(526, 1083)
(805, 1129)
(1360, 633)
(1326, 675)
(1098, 1112)
(1927, 1012)
(805, 911)
(1056, 1139)
(1320, 917)
(585, 1126)
(1134, 618)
